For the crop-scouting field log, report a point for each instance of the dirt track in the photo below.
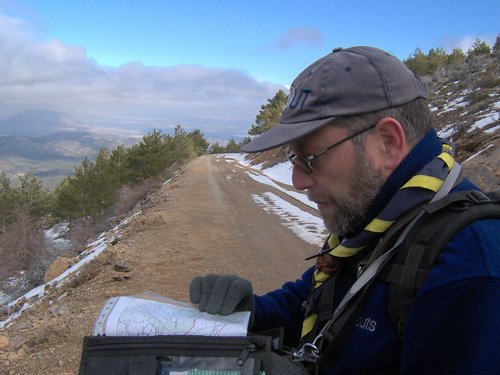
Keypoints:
(203, 222)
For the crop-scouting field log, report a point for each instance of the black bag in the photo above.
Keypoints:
(193, 355)
(423, 245)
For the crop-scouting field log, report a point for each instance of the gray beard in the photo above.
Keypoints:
(351, 209)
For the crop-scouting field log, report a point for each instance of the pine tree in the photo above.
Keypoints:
(66, 201)
(232, 147)
(198, 142)
(417, 62)
(103, 183)
(270, 114)
(120, 165)
(31, 198)
(456, 57)
(215, 148)
(435, 59)
(148, 157)
(478, 48)
(496, 47)
(6, 202)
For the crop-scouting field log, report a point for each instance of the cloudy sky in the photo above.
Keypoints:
(203, 64)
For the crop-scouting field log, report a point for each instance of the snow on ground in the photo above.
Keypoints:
(447, 131)
(3, 298)
(308, 227)
(55, 236)
(93, 250)
(486, 120)
(452, 105)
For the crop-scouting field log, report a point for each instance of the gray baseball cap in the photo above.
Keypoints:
(345, 82)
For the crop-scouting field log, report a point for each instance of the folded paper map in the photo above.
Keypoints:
(151, 315)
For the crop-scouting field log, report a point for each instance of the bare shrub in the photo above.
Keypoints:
(81, 232)
(488, 81)
(477, 96)
(23, 247)
(128, 196)
(457, 73)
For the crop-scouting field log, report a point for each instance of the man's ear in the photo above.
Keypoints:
(391, 144)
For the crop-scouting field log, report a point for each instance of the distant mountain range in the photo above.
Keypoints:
(60, 145)
(39, 122)
(50, 144)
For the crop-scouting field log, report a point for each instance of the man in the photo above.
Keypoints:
(362, 146)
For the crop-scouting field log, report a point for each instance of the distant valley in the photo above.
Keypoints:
(50, 144)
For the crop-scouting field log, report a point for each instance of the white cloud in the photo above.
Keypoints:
(57, 76)
(466, 42)
(309, 36)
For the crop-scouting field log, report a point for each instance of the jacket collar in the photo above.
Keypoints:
(422, 153)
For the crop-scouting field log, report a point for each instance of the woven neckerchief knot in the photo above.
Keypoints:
(415, 192)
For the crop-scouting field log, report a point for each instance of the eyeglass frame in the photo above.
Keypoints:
(306, 165)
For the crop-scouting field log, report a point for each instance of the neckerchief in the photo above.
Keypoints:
(415, 192)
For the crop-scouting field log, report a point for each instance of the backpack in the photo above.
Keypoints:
(433, 226)
(443, 219)
(184, 354)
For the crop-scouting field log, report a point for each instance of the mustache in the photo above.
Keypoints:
(320, 196)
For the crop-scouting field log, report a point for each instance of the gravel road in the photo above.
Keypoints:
(204, 221)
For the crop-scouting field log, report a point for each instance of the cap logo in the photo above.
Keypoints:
(294, 101)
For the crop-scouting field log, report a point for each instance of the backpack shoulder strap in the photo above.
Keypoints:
(421, 248)
(426, 230)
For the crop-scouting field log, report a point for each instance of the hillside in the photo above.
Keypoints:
(50, 144)
(465, 103)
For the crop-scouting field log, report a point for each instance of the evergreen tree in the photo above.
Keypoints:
(244, 141)
(66, 201)
(198, 142)
(81, 187)
(120, 165)
(496, 47)
(148, 158)
(478, 48)
(102, 182)
(6, 202)
(417, 62)
(435, 59)
(181, 144)
(270, 114)
(31, 199)
(456, 57)
(232, 147)
(215, 148)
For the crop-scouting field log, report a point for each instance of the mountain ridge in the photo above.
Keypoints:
(50, 144)
(40, 122)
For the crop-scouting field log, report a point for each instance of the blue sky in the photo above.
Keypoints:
(202, 64)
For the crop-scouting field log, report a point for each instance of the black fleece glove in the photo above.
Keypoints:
(221, 294)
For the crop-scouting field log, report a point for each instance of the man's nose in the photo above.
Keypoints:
(300, 179)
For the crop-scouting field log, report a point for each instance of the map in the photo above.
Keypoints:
(151, 315)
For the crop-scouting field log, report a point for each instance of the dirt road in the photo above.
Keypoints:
(204, 221)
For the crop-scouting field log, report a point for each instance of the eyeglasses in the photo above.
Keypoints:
(305, 162)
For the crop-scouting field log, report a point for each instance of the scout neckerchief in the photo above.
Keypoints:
(417, 191)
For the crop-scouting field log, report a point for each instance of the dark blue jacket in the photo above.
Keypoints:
(454, 324)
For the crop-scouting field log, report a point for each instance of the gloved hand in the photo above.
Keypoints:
(221, 294)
